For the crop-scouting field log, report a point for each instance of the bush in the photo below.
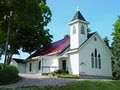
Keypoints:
(60, 71)
(10, 69)
(1, 66)
(8, 74)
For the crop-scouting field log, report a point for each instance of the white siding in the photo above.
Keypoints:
(77, 39)
(14, 63)
(22, 68)
(85, 56)
(73, 63)
(34, 67)
(46, 62)
(50, 62)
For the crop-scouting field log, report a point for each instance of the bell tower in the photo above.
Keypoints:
(78, 30)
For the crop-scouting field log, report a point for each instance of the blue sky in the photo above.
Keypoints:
(101, 14)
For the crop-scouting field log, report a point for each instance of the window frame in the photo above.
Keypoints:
(82, 29)
(74, 30)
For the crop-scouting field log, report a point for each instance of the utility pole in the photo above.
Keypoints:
(7, 37)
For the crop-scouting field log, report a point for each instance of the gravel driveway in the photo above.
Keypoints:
(38, 80)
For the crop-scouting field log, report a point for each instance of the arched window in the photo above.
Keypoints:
(74, 30)
(82, 29)
(92, 60)
(96, 58)
(95, 38)
(39, 67)
(99, 61)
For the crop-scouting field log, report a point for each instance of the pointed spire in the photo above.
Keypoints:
(79, 16)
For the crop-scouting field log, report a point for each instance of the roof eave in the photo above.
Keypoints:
(78, 20)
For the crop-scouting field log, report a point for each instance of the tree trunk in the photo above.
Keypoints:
(8, 58)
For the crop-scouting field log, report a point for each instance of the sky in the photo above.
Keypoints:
(101, 14)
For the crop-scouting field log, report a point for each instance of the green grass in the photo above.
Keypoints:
(67, 76)
(81, 85)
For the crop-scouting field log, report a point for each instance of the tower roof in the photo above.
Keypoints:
(79, 16)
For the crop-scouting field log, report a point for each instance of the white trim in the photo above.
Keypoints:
(36, 57)
(75, 21)
(52, 53)
(101, 41)
(72, 51)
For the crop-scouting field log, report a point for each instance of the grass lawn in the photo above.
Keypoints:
(81, 85)
(67, 76)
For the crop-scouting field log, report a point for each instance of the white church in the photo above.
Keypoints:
(83, 54)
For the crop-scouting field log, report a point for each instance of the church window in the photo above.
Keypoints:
(74, 30)
(39, 63)
(95, 38)
(96, 58)
(99, 61)
(92, 60)
(82, 29)
(30, 67)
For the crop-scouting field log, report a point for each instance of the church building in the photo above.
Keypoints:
(83, 54)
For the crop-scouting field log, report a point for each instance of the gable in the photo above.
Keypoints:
(99, 43)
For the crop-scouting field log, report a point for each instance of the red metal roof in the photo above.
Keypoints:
(54, 47)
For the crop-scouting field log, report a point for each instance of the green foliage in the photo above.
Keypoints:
(10, 70)
(116, 49)
(1, 66)
(67, 76)
(8, 74)
(27, 25)
(60, 71)
(89, 30)
(66, 36)
(63, 74)
(106, 40)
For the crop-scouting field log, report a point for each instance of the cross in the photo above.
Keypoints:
(77, 5)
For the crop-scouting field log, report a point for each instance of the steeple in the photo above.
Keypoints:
(79, 16)
(78, 30)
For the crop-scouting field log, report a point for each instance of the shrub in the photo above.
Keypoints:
(10, 70)
(60, 71)
(8, 74)
(1, 66)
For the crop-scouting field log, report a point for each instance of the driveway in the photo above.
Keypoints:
(38, 80)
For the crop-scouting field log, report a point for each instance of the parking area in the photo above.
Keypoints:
(38, 80)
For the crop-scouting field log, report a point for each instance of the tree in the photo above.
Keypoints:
(66, 36)
(88, 30)
(26, 26)
(116, 49)
(106, 40)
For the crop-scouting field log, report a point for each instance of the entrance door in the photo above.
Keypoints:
(64, 65)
